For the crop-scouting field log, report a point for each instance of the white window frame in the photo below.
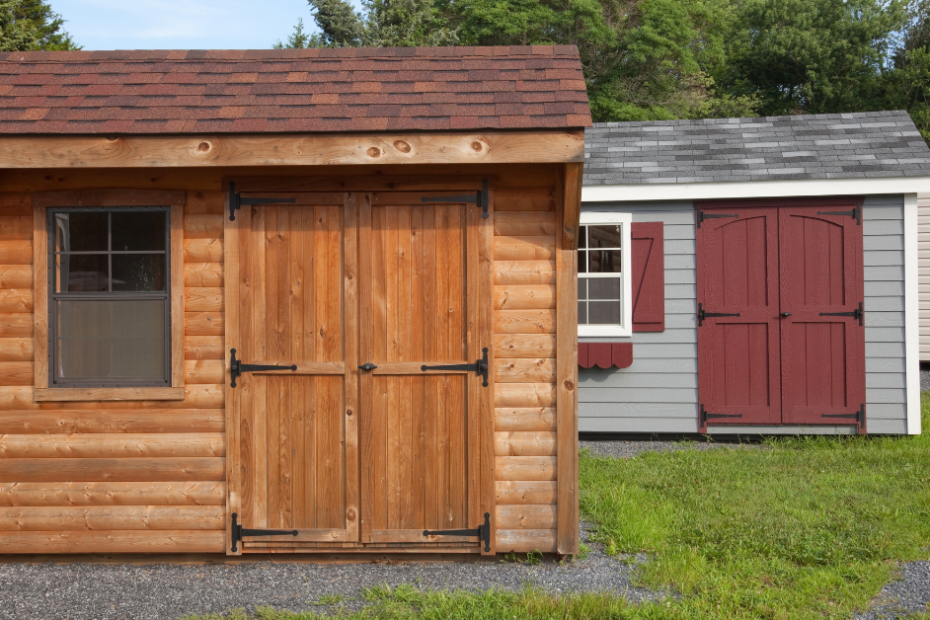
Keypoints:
(625, 327)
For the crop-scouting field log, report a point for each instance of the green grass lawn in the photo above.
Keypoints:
(806, 528)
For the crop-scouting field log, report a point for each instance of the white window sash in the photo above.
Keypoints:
(625, 328)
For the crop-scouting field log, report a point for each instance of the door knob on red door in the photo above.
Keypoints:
(786, 314)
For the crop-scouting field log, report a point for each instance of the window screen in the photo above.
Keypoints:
(109, 308)
(600, 278)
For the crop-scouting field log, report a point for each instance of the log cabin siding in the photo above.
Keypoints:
(114, 476)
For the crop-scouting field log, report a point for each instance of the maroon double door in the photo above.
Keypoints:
(790, 346)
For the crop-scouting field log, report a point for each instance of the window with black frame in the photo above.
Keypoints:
(109, 297)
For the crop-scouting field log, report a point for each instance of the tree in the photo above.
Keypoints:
(32, 25)
(908, 85)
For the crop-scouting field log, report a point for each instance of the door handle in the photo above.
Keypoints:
(786, 314)
(367, 366)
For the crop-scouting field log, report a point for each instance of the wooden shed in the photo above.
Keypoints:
(771, 267)
(290, 301)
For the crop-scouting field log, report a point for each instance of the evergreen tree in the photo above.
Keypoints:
(32, 25)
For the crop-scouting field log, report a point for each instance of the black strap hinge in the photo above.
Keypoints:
(858, 416)
(702, 314)
(705, 416)
(236, 367)
(480, 367)
(855, 213)
(480, 198)
(858, 314)
(238, 532)
(483, 532)
(236, 201)
(701, 216)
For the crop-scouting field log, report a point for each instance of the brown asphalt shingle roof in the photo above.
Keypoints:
(315, 90)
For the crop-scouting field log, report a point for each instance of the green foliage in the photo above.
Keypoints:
(908, 85)
(32, 25)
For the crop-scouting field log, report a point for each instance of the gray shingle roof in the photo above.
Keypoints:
(773, 148)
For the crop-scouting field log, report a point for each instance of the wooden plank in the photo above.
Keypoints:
(350, 330)
(523, 395)
(524, 198)
(110, 421)
(16, 276)
(409, 368)
(523, 443)
(125, 541)
(525, 541)
(16, 252)
(414, 536)
(537, 146)
(524, 248)
(525, 419)
(16, 397)
(539, 370)
(525, 345)
(113, 494)
(369, 455)
(15, 227)
(527, 516)
(203, 324)
(524, 321)
(567, 361)
(524, 224)
(524, 272)
(113, 470)
(486, 334)
(236, 235)
(521, 492)
(203, 299)
(16, 300)
(16, 373)
(526, 468)
(474, 414)
(100, 197)
(82, 518)
(203, 274)
(177, 296)
(118, 445)
(40, 286)
(205, 202)
(356, 183)
(523, 297)
(16, 325)
(16, 349)
(204, 348)
(203, 226)
(205, 371)
(95, 394)
(203, 250)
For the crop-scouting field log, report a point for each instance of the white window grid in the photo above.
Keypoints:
(624, 328)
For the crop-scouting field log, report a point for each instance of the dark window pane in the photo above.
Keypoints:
(80, 232)
(604, 288)
(139, 272)
(582, 261)
(582, 289)
(582, 313)
(605, 261)
(582, 237)
(111, 340)
(81, 273)
(604, 236)
(603, 312)
(139, 231)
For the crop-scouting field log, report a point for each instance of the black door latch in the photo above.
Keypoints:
(238, 532)
(481, 367)
(483, 532)
(858, 314)
(701, 314)
(480, 198)
(236, 367)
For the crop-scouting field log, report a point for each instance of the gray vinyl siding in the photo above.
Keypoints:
(658, 392)
(883, 242)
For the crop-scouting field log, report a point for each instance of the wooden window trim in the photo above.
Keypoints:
(107, 198)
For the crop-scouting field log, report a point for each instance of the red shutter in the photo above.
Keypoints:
(648, 287)
(605, 354)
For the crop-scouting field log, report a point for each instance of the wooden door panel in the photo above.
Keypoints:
(738, 356)
(415, 312)
(823, 357)
(293, 436)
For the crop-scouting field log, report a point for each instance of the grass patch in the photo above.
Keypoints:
(810, 528)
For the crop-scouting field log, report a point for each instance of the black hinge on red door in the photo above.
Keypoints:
(480, 198)
(705, 416)
(483, 532)
(858, 314)
(236, 201)
(701, 216)
(855, 212)
(702, 314)
(858, 416)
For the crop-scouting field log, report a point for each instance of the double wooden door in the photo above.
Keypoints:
(352, 442)
(780, 292)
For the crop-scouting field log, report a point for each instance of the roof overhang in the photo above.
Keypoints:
(755, 189)
(193, 151)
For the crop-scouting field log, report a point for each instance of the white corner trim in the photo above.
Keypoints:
(754, 189)
(911, 316)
